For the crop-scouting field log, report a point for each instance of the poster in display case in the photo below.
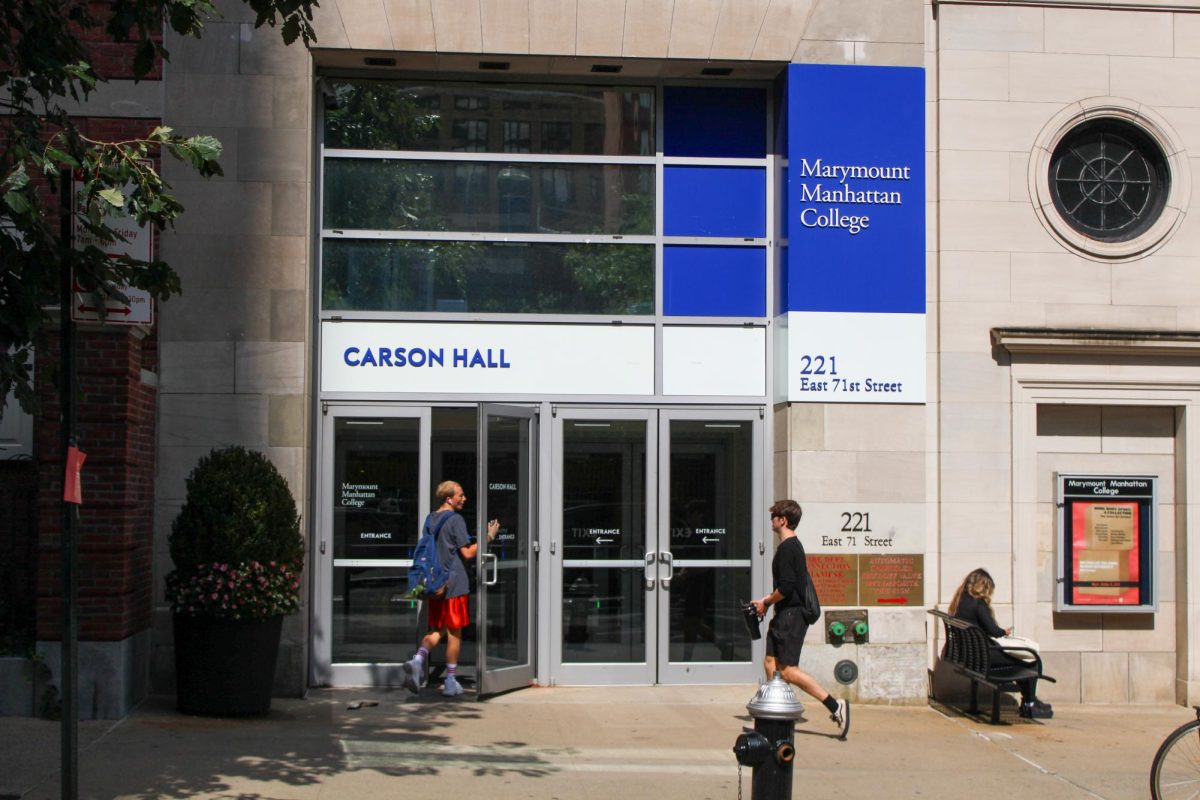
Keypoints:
(1107, 543)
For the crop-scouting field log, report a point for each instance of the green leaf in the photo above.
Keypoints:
(113, 197)
(17, 202)
(62, 157)
(208, 148)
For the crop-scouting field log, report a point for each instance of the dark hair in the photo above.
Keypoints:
(789, 510)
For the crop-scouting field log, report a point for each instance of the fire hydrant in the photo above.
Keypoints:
(770, 747)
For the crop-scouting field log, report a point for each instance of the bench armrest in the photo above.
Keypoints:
(1034, 663)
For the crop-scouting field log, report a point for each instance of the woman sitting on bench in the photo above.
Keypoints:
(973, 603)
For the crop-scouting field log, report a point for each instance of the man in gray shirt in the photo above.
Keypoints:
(450, 612)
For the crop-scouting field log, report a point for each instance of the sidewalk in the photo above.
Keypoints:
(580, 743)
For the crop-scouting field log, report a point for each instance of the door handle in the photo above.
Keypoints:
(495, 564)
(647, 571)
(664, 558)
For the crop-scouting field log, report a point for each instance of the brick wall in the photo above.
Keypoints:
(115, 427)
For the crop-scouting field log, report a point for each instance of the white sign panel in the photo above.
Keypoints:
(714, 361)
(139, 244)
(863, 527)
(846, 357)
(429, 357)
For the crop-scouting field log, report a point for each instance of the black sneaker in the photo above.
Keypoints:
(1036, 710)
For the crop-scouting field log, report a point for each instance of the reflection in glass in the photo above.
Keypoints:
(448, 117)
(508, 500)
(375, 506)
(487, 277)
(366, 194)
(373, 618)
(706, 616)
(604, 616)
(711, 469)
(604, 519)
(711, 518)
(604, 489)
(375, 488)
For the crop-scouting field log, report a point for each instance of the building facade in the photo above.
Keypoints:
(630, 271)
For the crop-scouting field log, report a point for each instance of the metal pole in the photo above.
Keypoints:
(70, 618)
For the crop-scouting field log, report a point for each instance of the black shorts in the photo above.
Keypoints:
(785, 636)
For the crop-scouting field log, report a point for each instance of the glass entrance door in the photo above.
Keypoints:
(375, 495)
(657, 532)
(709, 520)
(505, 601)
(604, 548)
(379, 468)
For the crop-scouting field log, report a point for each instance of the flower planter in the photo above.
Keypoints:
(225, 668)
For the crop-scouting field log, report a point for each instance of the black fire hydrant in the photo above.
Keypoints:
(770, 747)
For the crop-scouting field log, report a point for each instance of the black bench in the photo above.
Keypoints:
(966, 653)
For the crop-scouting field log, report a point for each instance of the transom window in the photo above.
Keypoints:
(444, 197)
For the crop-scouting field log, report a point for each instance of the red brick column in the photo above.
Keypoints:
(115, 414)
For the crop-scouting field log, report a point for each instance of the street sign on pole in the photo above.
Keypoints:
(139, 244)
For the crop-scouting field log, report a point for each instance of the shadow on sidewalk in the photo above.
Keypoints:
(159, 752)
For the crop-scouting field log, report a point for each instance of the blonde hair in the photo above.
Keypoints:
(445, 490)
(978, 584)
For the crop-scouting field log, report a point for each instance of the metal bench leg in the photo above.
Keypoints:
(974, 697)
(995, 706)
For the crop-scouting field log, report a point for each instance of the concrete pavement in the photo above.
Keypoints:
(581, 743)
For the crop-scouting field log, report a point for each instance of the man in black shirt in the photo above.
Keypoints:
(785, 636)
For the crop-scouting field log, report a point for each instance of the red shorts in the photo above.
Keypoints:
(452, 613)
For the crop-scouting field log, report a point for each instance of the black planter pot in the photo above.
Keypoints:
(225, 668)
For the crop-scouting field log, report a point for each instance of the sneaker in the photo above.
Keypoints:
(1036, 710)
(842, 718)
(451, 687)
(414, 674)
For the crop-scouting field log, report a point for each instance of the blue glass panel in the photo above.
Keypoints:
(856, 189)
(715, 201)
(714, 122)
(714, 281)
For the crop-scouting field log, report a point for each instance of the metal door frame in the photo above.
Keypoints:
(601, 673)
(322, 670)
(709, 672)
(492, 680)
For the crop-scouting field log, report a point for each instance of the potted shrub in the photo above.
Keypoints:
(238, 557)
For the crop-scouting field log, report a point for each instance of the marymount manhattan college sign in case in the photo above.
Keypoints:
(852, 297)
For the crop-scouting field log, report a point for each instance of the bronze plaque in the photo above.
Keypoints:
(892, 580)
(835, 578)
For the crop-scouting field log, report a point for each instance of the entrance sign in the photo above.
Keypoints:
(1107, 543)
(852, 297)
(139, 244)
(430, 357)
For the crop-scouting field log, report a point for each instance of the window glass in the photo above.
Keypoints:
(1109, 180)
(446, 117)
(487, 277)
(368, 194)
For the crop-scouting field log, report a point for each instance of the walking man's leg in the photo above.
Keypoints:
(451, 686)
(415, 669)
(839, 710)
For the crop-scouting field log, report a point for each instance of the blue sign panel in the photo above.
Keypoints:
(856, 189)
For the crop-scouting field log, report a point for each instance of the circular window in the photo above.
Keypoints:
(1109, 180)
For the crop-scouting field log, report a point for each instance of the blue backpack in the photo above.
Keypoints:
(427, 576)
